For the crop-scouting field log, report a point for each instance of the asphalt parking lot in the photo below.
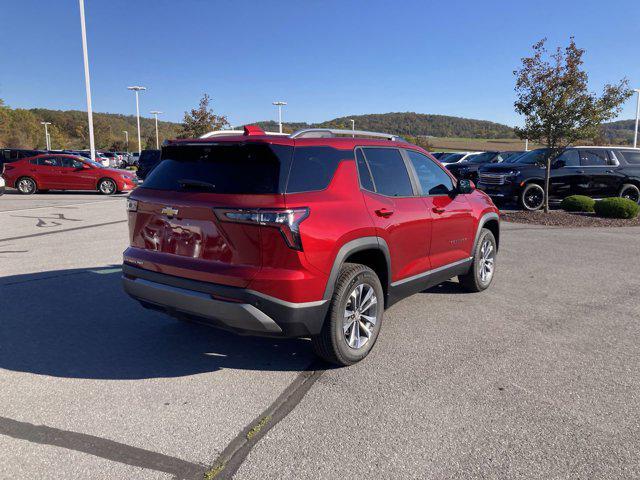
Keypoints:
(538, 377)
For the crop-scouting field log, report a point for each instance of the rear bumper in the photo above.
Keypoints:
(241, 310)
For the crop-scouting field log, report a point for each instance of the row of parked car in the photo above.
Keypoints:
(597, 172)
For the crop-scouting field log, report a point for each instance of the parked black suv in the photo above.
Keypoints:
(8, 155)
(147, 162)
(468, 169)
(594, 171)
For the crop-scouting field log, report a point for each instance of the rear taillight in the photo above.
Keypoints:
(287, 220)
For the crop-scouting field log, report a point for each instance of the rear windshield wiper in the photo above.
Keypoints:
(187, 184)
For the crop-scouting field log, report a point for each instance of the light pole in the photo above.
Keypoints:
(126, 140)
(280, 104)
(155, 113)
(353, 127)
(87, 80)
(635, 133)
(137, 89)
(46, 134)
(526, 144)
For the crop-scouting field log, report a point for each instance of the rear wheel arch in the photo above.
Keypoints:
(372, 252)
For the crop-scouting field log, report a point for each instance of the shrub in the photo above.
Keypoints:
(616, 207)
(578, 203)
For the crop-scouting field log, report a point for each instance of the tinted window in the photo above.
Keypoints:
(149, 156)
(389, 172)
(252, 168)
(594, 158)
(534, 156)
(363, 172)
(433, 180)
(632, 157)
(313, 168)
(482, 158)
(71, 162)
(49, 162)
(570, 158)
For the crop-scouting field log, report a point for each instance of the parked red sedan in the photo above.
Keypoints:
(66, 172)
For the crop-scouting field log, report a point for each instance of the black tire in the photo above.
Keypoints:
(472, 280)
(26, 185)
(107, 186)
(332, 343)
(532, 197)
(631, 192)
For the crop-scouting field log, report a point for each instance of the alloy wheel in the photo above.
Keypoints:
(360, 315)
(534, 198)
(631, 194)
(107, 187)
(487, 260)
(26, 185)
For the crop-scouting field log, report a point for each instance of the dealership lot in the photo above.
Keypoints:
(537, 377)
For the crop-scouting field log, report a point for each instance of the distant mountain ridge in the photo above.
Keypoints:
(408, 123)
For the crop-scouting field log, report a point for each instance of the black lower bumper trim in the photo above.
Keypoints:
(237, 309)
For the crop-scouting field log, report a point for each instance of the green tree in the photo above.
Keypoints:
(201, 120)
(553, 96)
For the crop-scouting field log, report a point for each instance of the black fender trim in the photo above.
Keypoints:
(357, 245)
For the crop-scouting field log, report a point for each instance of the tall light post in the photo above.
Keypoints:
(87, 80)
(137, 89)
(155, 113)
(526, 144)
(353, 127)
(126, 140)
(47, 142)
(280, 104)
(635, 133)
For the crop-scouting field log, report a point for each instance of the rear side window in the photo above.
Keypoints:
(49, 162)
(632, 157)
(594, 158)
(570, 158)
(249, 168)
(363, 172)
(313, 168)
(389, 172)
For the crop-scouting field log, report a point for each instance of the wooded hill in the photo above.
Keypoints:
(20, 128)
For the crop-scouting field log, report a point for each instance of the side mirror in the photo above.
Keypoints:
(465, 187)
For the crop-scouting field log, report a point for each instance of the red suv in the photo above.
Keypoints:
(65, 172)
(311, 235)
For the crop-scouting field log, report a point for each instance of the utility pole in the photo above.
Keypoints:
(126, 140)
(87, 81)
(137, 89)
(526, 145)
(155, 113)
(635, 132)
(279, 104)
(353, 127)
(47, 140)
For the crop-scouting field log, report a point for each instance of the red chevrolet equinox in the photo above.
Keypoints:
(309, 235)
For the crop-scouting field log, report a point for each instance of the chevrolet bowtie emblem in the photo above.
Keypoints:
(169, 212)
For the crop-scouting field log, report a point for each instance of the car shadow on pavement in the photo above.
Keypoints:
(80, 324)
(448, 287)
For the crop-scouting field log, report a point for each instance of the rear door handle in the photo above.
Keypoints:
(438, 210)
(384, 213)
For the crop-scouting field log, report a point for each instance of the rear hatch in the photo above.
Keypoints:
(176, 225)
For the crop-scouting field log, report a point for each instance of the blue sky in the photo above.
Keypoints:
(326, 58)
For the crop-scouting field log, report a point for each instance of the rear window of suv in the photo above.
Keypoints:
(245, 168)
(250, 168)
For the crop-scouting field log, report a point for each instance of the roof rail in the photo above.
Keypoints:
(334, 132)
